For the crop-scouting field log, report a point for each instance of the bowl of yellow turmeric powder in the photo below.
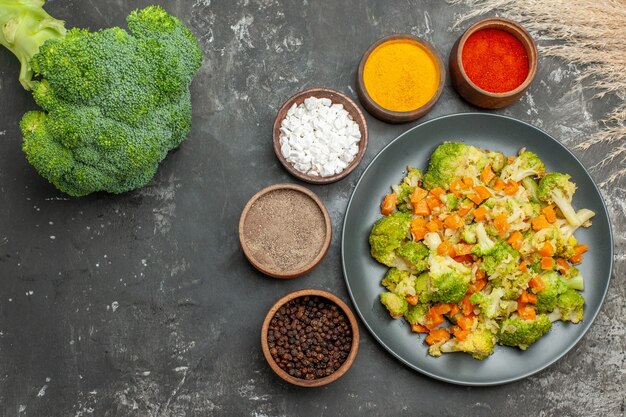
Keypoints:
(400, 78)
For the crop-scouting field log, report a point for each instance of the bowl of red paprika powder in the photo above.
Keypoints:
(493, 63)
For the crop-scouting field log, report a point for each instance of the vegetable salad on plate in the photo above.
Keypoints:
(481, 250)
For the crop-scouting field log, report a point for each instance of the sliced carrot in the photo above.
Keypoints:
(465, 208)
(421, 208)
(576, 259)
(547, 249)
(537, 283)
(482, 191)
(487, 175)
(412, 299)
(562, 265)
(527, 298)
(466, 306)
(439, 222)
(469, 182)
(480, 274)
(499, 184)
(511, 187)
(475, 198)
(441, 308)
(445, 248)
(462, 334)
(580, 249)
(432, 226)
(463, 249)
(433, 321)
(523, 266)
(437, 192)
(418, 328)
(539, 222)
(437, 336)
(456, 186)
(550, 214)
(418, 233)
(526, 312)
(516, 239)
(454, 310)
(477, 285)
(418, 194)
(433, 202)
(480, 213)
(388, 205)
(464, 259)
(465, 322)
(454, 221)
(418, 222)
(501, 224)
(547, 263)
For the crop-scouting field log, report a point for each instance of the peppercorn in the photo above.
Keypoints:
(309, 337)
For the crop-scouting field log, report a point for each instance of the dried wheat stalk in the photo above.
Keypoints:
(594, 35)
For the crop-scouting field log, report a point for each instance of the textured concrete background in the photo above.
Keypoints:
(143, 305)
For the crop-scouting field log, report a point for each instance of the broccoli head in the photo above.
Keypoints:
(513, 283)
(497, 160)
(547, 298)
(393, 277)
(525, 165)
(558, 189)
(415, 254)
(485, 245)
(468, 234)
(449, 279)
(479, 343)
(114, 103)
(573, 278)
(450, 200)
(395, 304)
(492, 305)
(453, 160)
(387, 235)
(502, 260)
(416, 314)
(405, 188)
(422, 287)
(515, 331)
(570, 305)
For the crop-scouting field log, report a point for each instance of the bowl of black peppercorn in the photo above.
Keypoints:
(310, 338)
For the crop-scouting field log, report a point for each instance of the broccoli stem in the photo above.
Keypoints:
(566, 208)
(531, 187)
(25, 27)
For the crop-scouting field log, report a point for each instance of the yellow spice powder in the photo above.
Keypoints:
(401, 75)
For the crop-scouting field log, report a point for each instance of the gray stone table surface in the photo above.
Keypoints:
(142, 304)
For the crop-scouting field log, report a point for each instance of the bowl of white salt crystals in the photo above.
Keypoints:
(320, 135)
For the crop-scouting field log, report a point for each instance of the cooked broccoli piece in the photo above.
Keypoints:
(502, 260)
(531, 186)
(512, 283)
(387, 235)
(548, 234)
(497, 161)
(406, 187)
(492, 305)
(479, 343)
(453, 160)
(406, 286)
(395, 304)
(515, 331)
(432, 240)
(547, 298)
(422, 288)
(114, 103)
(450, 200)
(525, 165)
(468, 234)
(573, 278)
(570, 305)
(393, 277)
(485, 245)
(527, 244)
(449, 279)
(558, 189)
(565, 245)
(584, 215)
(532, 209)
(416, 314)
(415, 254)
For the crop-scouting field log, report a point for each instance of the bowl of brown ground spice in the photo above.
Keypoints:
(285, 230)
(310, 338)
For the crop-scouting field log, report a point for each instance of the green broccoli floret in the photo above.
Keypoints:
(452, 160)
(515, 331)
(415, 254)
(565, 245)
(422, 288)
(531, 186)
(395, 304)
(547, 298)
(406, 187)
(449, 279)
(570, 305)
(531, 209)
(468, 234)
(512, 283)
(485, 245)
(502, 259)
(548, 234)
(492, 305)
(497, 160)
(387, 235)
(573, 278)
(558, 189)
(479, 343)
(525, 165)
(450, 200)
(114, 103)
(393, 277)
(417, 314)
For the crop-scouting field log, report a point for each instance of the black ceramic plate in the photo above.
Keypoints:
(363, 274)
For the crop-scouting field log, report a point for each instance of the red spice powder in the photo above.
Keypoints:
(495, 60)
